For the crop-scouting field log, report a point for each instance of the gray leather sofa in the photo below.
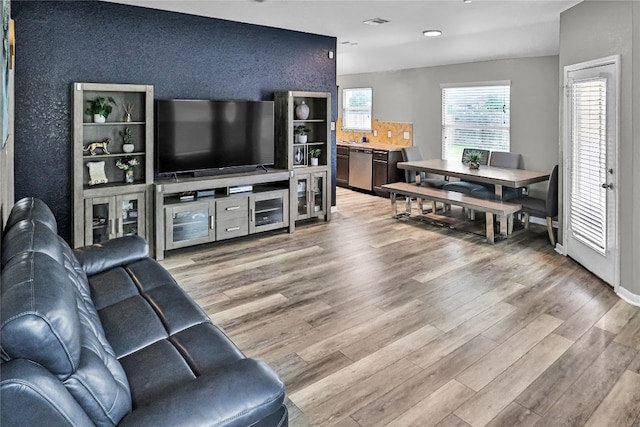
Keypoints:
(103, 335)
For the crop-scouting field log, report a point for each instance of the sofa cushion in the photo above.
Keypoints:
(239, 394)
(30, 236)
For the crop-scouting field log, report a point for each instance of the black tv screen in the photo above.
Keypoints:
(209, 135)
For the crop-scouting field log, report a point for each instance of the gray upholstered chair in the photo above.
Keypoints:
(501, 159)
(542, 208)
(467, 187)
(413, 154)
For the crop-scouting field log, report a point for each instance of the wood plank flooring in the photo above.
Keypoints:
(374, 321)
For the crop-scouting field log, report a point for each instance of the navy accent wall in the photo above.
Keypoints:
(182, 56)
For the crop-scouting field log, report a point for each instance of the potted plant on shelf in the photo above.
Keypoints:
(100, 109)
(301, 134)
(314, 153)
(127, 146)
(473, 158)
(127, 164)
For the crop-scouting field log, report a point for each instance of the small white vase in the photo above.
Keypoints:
(302, 111)
(314, 161)
(97, 118)
(128, 148)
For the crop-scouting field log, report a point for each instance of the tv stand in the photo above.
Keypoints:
(222, 214)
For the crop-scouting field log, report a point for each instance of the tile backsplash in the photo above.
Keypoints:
(397, 133)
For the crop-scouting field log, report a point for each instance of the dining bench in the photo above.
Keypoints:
(504, 210)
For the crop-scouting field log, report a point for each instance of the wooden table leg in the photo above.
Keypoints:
(504, 227)
(489, 228)
(394, 205)
(510, 222)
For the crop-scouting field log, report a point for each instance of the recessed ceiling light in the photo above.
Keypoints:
(375, 21)
(467, 1)
(432, 33)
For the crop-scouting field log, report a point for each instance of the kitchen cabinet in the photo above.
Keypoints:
(342, 166)
(385, 169)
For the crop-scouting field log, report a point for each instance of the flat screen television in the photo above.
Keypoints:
(208, 136)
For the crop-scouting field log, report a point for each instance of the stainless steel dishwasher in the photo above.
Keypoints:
(360, 168)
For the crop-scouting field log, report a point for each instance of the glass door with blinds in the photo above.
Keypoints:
(590, 167)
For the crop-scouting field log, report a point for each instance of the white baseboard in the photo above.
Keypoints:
(560, 249)
(334, 209)
(536, 220)
(629, 297)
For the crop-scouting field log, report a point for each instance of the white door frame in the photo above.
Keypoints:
(566, 145)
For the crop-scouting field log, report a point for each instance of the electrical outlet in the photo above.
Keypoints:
(375, 133)
(406, 135)
(388, 134)
(333, 125)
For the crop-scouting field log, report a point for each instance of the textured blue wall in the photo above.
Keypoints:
(182, 56)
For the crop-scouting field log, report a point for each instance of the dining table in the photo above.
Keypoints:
(498, 176)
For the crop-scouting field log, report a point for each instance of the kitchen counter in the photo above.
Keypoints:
(368, 166)
(372, 146)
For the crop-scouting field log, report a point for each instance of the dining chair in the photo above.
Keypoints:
(413, 154)
(542, 208)
(467, 187)
(501, 159)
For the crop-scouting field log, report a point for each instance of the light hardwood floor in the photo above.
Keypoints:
(373, 321)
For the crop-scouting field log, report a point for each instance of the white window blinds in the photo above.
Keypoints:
(356, 109)
(588, 162)
(475, 116)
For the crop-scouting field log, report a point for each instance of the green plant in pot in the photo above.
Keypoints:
(127, 139)
(473, 158)
(301, 134)
(100, 109)
(314, 153)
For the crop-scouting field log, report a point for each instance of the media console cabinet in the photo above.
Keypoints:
(229, 206)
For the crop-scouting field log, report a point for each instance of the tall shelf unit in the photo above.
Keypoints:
(115, 208)
(311, 184)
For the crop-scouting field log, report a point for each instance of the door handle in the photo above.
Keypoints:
(605, 185)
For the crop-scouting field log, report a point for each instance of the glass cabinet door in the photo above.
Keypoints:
(303, 196)
(131, 215)
(189, 224)
(99, 220)
(317, 194)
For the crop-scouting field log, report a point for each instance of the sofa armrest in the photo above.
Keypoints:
(112, 253)
(31, 395)
(235, 395)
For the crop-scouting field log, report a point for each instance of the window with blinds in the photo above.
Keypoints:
(588, 162)
(475, 116)
(356, 109)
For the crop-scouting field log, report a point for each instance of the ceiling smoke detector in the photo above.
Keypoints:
(375, 21)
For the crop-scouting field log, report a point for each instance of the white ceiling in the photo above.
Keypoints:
(477, 31)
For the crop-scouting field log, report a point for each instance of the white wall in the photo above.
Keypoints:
(596, 29)
(415, 96)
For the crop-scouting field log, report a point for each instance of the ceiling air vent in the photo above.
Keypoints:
(375, 21)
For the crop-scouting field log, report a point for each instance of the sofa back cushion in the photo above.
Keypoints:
(39, 315)
(34, 209)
